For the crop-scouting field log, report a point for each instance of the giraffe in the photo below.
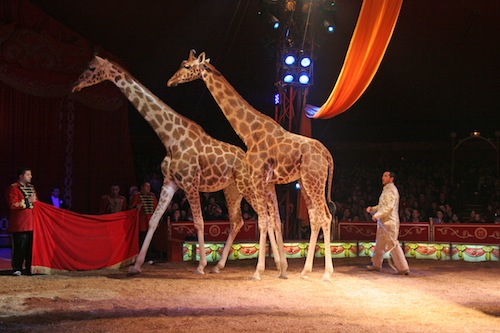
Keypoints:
(194, 162)
(273, 156)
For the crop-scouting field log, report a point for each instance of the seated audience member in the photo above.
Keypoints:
(346, 216)
(176, 216)
(478, 218)
(455, 219)
(214, 211)
(247, 212)
(405, 215)
(439, 217)
(113, 202)
(415, 216)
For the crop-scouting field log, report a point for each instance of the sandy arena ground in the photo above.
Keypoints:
(438, 296)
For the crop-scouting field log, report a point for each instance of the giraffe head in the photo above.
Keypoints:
(191, 69)
(97, 70)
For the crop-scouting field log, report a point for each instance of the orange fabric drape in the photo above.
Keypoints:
(370, 39)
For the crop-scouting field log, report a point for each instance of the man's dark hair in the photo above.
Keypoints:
(391, 174)
(22, 170)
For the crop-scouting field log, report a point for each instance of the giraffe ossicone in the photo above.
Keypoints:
(195, 162)
(273, 156)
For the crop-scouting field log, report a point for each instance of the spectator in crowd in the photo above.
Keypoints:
(415, 216)
(247, 212)
(346, 216)
(455, 219)
(438, 219)
(176, 216)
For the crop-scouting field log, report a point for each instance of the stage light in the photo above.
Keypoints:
(329, 27)
(304, 78)
(276, 99)
(305, 62)
(288, 78)
(289, 59)
(274, 21)
(297, 186)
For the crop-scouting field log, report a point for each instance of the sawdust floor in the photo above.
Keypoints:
(438, 296)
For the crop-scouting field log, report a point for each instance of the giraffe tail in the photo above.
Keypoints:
(331, 204)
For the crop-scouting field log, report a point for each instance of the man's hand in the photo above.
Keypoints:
(32, 198)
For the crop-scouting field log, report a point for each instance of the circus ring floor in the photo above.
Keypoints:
(438, 296)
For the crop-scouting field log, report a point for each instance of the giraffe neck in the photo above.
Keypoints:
(245, 120)
(162, 118)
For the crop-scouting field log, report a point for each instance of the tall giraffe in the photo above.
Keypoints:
(195, 162)
(274, 155)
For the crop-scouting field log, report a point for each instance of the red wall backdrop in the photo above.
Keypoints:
(77, 142)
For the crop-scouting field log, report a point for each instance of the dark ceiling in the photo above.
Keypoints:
(440, 73)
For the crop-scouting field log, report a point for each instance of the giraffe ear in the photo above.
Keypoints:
(201, 57)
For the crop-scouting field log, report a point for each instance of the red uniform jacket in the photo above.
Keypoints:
(149, 204)
(21, 211)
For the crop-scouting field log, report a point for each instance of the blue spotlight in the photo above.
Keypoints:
(276, 99)
(304, 78)
(289, 59)
(288, 78)
(297, 186)
(305, 62)
(329, 27)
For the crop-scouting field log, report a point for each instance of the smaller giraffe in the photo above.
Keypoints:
(273, 156)
(195, 161)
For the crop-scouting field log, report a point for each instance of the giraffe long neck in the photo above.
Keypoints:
(245, 120)
(162, 118)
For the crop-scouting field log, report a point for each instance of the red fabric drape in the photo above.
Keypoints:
(67, 241)
(371, 37)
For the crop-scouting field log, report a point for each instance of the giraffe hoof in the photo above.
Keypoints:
(215, 270)
(198, 272)
(254, 278)
(283, 276)
(133, 271)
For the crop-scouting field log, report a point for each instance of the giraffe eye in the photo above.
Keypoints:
(92, 69)
(187, 66)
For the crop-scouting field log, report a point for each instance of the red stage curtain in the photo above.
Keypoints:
(371, 37)
(77, 142)
(67, 241)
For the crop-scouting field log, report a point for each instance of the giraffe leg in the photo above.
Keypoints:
(275, 216)
(233, 200)
(261, 263)
(193, 197)
(310, 253)
(167, 192)
(274, 247)
(314, 232)
(328, 253)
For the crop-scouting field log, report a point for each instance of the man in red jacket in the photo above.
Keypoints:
(21, 197)
(146, 202)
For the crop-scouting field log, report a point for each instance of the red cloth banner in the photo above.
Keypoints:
(369, 42)
(68, 241)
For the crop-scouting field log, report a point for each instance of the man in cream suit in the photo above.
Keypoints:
(386, 213)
